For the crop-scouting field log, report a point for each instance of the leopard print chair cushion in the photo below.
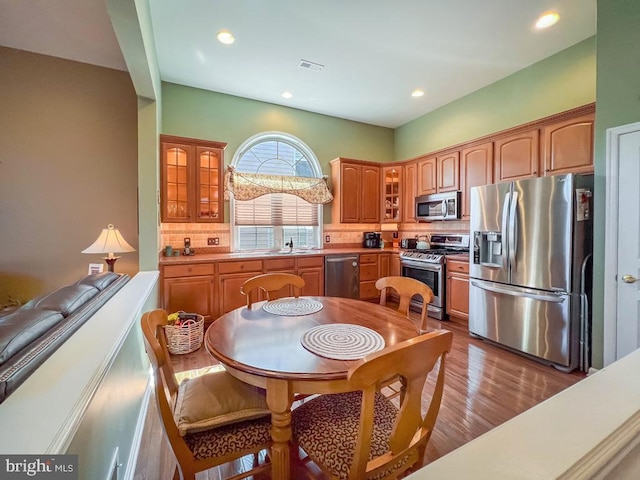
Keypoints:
(229, 438)
(327, 426)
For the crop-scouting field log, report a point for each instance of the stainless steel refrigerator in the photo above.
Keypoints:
(530, 267)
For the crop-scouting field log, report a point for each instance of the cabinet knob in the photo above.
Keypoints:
(189, 269)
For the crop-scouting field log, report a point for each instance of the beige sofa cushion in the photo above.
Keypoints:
(216, 399)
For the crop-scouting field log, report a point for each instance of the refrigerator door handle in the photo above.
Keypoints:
(513, 230)
(551, 297)
(505, 222)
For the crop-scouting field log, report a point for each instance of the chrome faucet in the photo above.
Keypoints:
(289, 244)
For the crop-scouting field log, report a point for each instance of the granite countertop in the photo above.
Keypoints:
(214, 257)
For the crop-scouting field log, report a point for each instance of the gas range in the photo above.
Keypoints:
(427, 256)
(445, 245)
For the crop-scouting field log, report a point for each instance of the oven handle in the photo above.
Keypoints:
(432, 267)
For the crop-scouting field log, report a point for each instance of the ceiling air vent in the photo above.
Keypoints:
(316, 67)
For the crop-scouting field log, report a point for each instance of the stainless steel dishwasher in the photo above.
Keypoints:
(342, 276)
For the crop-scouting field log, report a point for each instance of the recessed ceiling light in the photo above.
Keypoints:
(547, 19)
(417, 93)
(287, 95)
(224, 36)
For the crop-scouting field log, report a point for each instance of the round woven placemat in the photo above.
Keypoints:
(292, 306)
(342, 341)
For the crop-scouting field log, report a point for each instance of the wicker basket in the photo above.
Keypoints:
(185, 338)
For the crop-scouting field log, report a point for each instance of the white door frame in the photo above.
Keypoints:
(611, 241)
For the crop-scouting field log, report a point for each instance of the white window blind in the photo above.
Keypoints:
(268, 221)
(278, 209)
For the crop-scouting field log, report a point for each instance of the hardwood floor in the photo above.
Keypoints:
(484, 387)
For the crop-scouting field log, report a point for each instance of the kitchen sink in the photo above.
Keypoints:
(280, 253)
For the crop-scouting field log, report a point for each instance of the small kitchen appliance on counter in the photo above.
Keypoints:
(371, 240)
(408, 243)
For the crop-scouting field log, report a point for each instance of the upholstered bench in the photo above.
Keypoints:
(33, 332)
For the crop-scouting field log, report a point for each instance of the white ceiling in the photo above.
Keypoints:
(374, 52)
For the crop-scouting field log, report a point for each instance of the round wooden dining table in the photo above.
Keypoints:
(265, 350)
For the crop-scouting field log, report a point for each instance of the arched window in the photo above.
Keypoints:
(271, 220)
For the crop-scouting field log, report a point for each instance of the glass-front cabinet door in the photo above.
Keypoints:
(392, 194)
(176, 182)
(209, 184)
(191, 179)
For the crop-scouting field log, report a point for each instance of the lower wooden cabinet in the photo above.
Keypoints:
(189, 288)
(212, 289)
(368, 276)
(231, 276)
(394, 265)
(311, 269)
(458, 291)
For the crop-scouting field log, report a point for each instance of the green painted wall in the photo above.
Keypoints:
(557, 83)
(197, 113)
(192, 112)
(618, 103)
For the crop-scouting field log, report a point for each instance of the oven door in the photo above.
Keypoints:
(430, 275)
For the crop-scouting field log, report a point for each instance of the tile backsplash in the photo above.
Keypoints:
(341, 234)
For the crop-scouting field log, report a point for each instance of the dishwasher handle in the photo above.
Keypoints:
(338, 259)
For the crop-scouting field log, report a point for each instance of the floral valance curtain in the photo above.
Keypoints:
(247, 186)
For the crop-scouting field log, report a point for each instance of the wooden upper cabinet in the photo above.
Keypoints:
(427, 179)
(370, 201)
(191, 177)
(409, 192)
(350, 192)
(209, 206)
(476, 168)
(567, 146)
(439, 174)
(516, 156)
(392, 181)
(448, 170)
(356, 186)
(177, 195)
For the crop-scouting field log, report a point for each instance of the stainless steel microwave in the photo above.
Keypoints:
(439, 206)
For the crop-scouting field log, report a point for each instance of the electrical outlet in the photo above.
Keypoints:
(213, 241)
(327, 238)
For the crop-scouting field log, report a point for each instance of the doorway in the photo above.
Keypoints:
(622, 243)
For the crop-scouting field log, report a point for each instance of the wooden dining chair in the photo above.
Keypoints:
(209, 420)
(406, 288)
(362, 434)
(271, 283)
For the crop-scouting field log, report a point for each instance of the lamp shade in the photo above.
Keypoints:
(110, 241)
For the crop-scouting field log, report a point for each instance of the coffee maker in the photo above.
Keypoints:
(371, 240)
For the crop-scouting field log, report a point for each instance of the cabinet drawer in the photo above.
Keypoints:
(305, 262)
(457, 266)
(368, 272)
(368, 290)
(188, 270)
(277, 264)
(239, 267)
(369, 258)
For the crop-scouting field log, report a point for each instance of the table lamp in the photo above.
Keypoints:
(110, 241)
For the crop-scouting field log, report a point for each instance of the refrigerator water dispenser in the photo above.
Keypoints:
(487, 249)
